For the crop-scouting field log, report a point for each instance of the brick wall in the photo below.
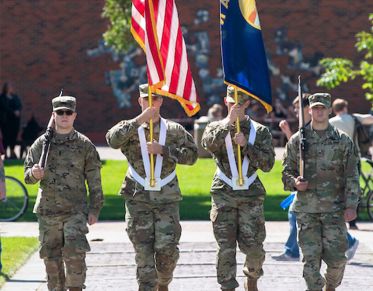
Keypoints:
(44, 46)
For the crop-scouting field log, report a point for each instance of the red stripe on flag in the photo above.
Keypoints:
(188, 84)
(167, 29)
(176, 69)
(150, 81)
(138, 29)
(155, 6)
(139, 5)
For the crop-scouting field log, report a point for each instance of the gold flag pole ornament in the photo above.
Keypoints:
(150, 100)
(240, 178)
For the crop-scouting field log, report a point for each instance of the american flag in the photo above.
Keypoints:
(156, 27)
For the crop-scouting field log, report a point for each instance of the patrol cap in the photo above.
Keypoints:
(64, 102)
(242, 97)
(143, 90)
(322, 99)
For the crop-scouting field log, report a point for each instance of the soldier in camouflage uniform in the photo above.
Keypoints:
(61, 205)
(237, 215)
(327, 194)
(152, 215)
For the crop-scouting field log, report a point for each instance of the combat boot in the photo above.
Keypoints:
(228, 289)
(328, 288)
(75, 289)
(250, 284)
(162, 288)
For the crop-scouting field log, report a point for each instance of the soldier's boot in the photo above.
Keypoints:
(251, 284)
(162, 288)
(328, 288)
(75, 289)
(228, 289)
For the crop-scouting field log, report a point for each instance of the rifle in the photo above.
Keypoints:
(46, 143)
(302, 134)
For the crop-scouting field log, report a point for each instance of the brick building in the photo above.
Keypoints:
(47, 45)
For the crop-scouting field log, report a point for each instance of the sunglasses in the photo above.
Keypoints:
(62, 112)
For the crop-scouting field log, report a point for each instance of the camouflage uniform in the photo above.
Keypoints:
(61, 205)
(153, 224)
(237, 216)
(333, 186)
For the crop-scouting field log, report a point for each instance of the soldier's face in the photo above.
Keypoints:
(320, 113)
(64, 121)
(156, 102)
(242, 107)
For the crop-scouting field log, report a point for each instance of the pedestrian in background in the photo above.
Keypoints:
(12, 107)
(291, 252)
(346, 122)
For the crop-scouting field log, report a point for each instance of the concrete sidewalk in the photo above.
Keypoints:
(111, 264)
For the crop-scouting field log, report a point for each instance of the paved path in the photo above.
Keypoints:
(111, 263)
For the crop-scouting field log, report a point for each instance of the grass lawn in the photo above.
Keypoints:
(15, 252)
(195, 182)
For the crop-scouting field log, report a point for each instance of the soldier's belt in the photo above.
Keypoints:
(233, 183)
(144, 182)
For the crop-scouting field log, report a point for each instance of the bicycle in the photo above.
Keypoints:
(16, 202)
(367, 189)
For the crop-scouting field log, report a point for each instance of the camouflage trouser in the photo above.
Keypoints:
(63, 242)
(243, 224)
(322, 236)
(154, 231)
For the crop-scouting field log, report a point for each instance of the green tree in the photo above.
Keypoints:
(118, 34)
(341, 70)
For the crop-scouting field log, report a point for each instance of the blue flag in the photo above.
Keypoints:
(244, 59)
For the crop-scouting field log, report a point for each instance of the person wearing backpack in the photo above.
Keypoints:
(347, 123)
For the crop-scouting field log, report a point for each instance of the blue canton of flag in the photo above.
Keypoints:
(244, 59)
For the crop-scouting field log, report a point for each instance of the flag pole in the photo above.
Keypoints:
(150, 100)
(240, 178)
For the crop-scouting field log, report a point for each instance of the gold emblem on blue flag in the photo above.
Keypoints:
(249, 12)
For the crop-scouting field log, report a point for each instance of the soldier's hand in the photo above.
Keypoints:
(234, 113)
(37, 172)
(239, 138)
(92, 219)
(154, 148)
(350, 214)
(301, 184)
(146, 115)
(285, 128)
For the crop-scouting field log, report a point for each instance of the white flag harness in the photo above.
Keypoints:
(233, 182)
(159, 183)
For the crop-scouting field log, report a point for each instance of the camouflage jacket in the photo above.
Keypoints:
(331, 169)
(261, 156)
(72, 161)
(179, 148)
